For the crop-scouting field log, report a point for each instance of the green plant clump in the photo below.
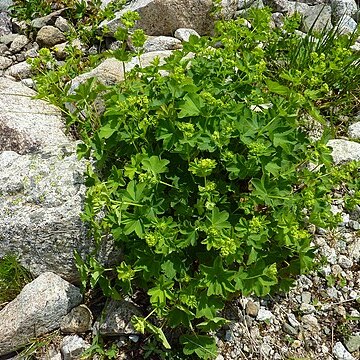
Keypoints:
(13, 277)
(206, 178)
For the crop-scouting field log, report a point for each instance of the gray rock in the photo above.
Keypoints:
(317, 18)
(353, 343)
(78, 320)
(344, 151)
(5, 62)
(49, 19)
(111, 71)
(108, 72)
(5, 4)
(4, 50)
(345, 262)
(310, 322)
(18, 43)
(343, 7)
(264, 315)
(340, 353)
(288, 7)
(293, 321)
(41, 184)
(62, 24)
(29, 83)
(346, 25)
(179, 14)
(72, 347)
(32, 53)
(306, 297)
(19, 71)
(160, 43)
(307, 308)
(8, 38)
(244, 4)
(354, 131)
(48, 36)
(5, 24)
(184, 34)
(37, 310)
(117, 319)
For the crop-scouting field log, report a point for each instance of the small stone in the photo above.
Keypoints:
(355, 225)
(29, 83)
(266, 349)
(289, 329)
(118, 318)
(20, 71)
(340, 353)
(330, 254)
(344, 262)
(8, 38)
(332, 293)
(306, 297)
(19, 43)
(228, 336)
(353, 343)
(341, 311)
(72, 347)
(310, 322)
(307, 308)
(78, 320)
(336, 269)
(134, 338)
(296, 344)
(5, 62)
(62, 24)
(292, 320)
(264, 315)
(184, 34)
(252, 308)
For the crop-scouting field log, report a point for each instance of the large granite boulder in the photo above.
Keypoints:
(5, 4)
(37, 310)
(163, 17)
(41, 185)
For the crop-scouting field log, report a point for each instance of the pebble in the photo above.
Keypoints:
(340, 353)
(353, 343)
(228, 336)
(134, 338)
(252, 308)
(310, 322)
(332, 293)
(264, 315)
(336, 269)
(292, 320)
(289, 329)
(307, 308)
(306, 297)
(344, 262)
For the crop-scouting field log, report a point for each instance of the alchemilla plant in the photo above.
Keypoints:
(206, 178)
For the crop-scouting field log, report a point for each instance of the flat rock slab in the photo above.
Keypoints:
(41, 185)
(37, 310)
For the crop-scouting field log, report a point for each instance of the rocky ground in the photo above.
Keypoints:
(318, 319)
